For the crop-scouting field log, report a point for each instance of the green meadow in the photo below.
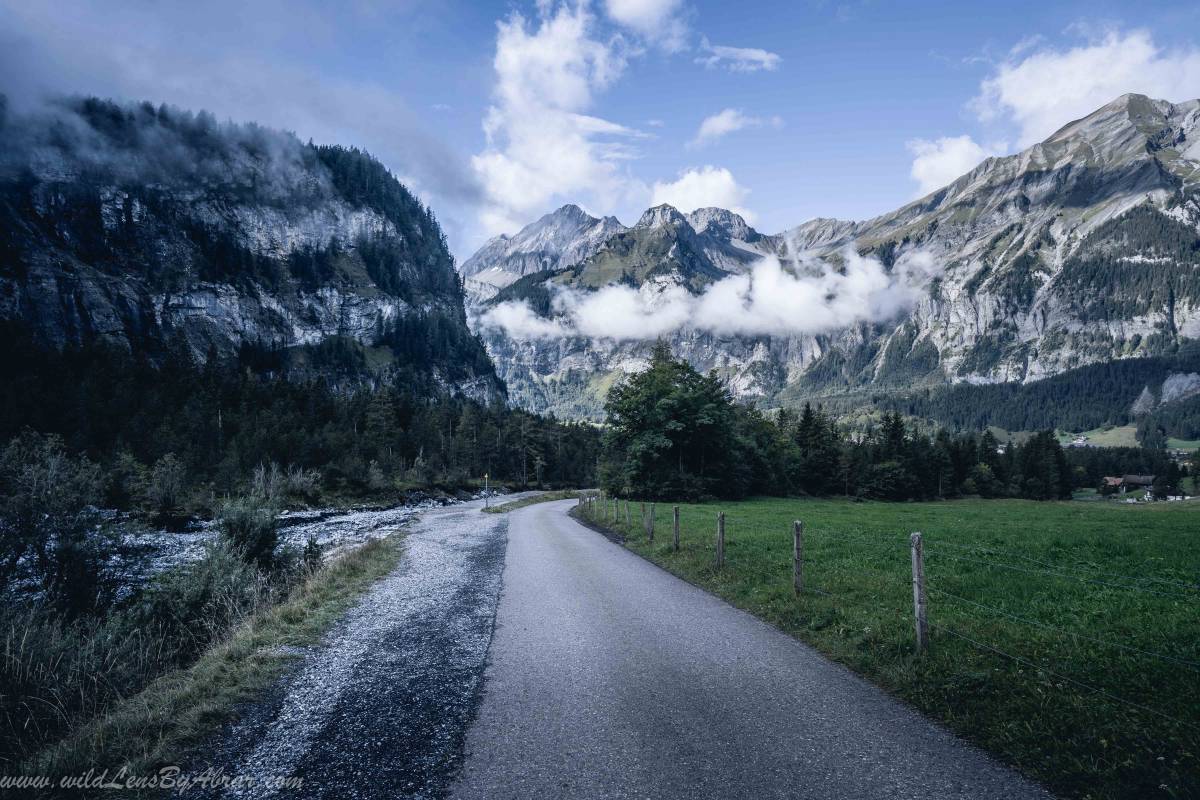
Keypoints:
(1065, 637)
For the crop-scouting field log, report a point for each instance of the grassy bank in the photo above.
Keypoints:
(157, 726)
(1065, 639)
(544, 497)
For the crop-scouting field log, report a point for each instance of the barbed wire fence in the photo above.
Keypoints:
(933, 590)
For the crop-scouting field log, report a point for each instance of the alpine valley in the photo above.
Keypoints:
(1068, 271)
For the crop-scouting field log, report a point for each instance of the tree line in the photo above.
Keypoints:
(674, 433)
(151, 423)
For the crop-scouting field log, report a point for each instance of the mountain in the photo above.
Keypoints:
(1082, 249)
(560, 238)
(150, 227)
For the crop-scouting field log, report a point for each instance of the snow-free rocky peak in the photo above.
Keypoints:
(558, 239)
(1080, 249)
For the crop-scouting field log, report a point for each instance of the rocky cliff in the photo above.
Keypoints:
(1081, 249)
(559, 239)
(137, 225)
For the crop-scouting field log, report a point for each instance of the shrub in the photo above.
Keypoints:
(50, 532)
(196, 605)
(248, 523)
(166, 486)
(56, 673)
(274, 484)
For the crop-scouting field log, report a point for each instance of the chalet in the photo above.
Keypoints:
(1126, 483)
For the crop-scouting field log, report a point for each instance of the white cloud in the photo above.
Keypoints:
(659, 21)
(738, 59)
(702, 187)
(940, 161)
(728, 121)
(1041, 88)
(770, 300)
(541, 143)
(243, 71)
(519, 322)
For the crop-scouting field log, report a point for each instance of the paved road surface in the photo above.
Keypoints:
(609, 678)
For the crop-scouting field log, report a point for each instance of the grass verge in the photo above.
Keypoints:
(160, 725)
(544, 497)
(1031, 603)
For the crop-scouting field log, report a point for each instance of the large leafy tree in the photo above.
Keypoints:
(671, 433)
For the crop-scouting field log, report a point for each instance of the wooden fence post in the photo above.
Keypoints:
(650, 525)
(919, 606)
(721, 539)
(798, 556)
(627, 522)
(675, 514)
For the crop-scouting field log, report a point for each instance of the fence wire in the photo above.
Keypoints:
(1068, 575)
(1195, 665)
(1089, 687)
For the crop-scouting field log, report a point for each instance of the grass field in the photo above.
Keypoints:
(1065, 636)
(1124, 436)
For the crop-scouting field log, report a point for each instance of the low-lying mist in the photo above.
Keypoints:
(813, 296)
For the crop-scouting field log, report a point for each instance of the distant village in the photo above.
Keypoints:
(1122, 485)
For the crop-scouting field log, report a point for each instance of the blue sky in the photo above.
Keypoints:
(498, 112)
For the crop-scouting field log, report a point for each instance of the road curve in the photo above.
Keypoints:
(610, 678)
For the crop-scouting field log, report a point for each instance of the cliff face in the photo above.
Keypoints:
(559, 239)
(136, 225)
(1081, 249)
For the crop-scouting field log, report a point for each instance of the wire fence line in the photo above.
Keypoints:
(1089, 687)
(1191, 586)
(1195, 665)
(1067, 575)
(817, 554)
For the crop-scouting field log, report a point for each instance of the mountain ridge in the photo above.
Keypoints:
(135, 225)
(1038, 256)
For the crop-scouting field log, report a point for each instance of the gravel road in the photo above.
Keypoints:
(610, 678)
(380, 710)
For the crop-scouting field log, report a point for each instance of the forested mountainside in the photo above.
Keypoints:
(1082, 249)
(135, 225)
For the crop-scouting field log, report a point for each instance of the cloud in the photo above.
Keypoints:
(239, 62)
(658, 21)
(541, 143)
(1040, 88)
(737, 59)
(726, 122)
(702, 187)
(941, 161)
(770, 300)
(519, 321)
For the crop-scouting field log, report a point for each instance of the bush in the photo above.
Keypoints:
(50, 532)
(274, 484)
(57, 673)
(196, 605)
(165, 489)
(248, 524)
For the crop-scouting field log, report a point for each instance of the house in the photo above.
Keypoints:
(1125, 483)
(1136, 482)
